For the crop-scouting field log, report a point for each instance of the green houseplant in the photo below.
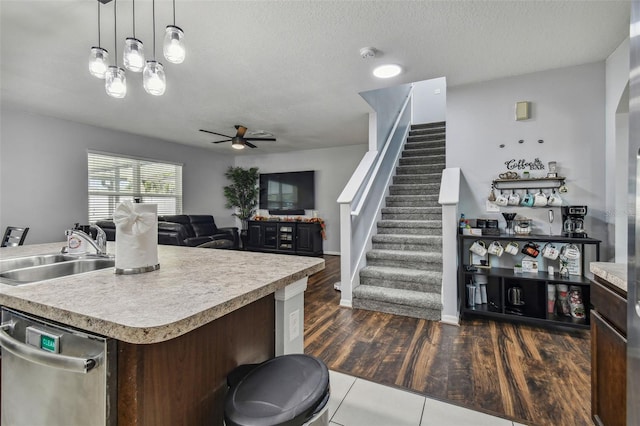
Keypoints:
(242, 194)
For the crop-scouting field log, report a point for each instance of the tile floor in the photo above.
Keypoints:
(358, 402)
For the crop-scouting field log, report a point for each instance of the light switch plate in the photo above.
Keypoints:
(522, 110)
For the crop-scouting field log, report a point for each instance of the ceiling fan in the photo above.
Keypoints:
(238, 141)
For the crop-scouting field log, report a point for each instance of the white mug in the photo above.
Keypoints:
(501, 200)
(496, 249)
(512, 248)
(540, 200)
(554, 199)
(550, 251)
(571, 252)
(514, 199)
(479, 248)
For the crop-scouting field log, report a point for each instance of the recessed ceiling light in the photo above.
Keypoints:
(387, 71)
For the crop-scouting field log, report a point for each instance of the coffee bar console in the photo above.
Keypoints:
(496, 287)
(286, 237)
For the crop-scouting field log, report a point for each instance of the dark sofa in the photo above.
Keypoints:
(184, 230)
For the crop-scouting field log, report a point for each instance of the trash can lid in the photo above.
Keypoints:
(283, 391)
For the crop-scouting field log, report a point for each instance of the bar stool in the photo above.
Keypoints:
(289, 390)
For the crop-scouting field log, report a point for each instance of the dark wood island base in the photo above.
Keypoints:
(182, 381)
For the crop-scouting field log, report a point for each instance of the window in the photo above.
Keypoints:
(113, 179)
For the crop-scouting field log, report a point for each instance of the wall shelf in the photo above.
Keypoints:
(532, 183)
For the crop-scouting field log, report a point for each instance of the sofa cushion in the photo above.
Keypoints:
(203, 225)
(182, 219)
(171, 233)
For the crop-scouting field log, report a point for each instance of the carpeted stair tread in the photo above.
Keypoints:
(420, 152)
(419, 145)
(430, 200)
(399, 296)
(395, 309)
(428, 125)
(421, 160)
(405, 256)
(412, 210)
(403, 274)
(434, 178)
(414, 188)
(409, 223)
(412, 239)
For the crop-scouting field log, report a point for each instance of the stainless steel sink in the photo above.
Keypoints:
(28, 261)
(65, 265)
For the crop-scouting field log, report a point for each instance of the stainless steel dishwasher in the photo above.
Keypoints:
(55, 375)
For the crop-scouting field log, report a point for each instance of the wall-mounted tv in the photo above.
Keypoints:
(287, 193)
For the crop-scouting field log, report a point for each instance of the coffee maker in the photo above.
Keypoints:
(573, 221)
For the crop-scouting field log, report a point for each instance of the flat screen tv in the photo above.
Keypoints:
(287, 193)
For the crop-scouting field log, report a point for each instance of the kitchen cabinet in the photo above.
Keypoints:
(608, 353)
(286, 237)
(500, 278)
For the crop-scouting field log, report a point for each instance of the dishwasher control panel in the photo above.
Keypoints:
(44, 340)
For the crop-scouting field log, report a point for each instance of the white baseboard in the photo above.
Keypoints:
(450, 319)
(332, 253)
(346, 303)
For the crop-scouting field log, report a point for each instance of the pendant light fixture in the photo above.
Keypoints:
(98, 57)
(115, 81)
(153, 78)
(133, 56)
(173, 48)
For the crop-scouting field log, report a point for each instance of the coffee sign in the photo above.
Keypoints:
(524, 164)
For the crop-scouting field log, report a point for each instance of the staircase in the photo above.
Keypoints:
(403, 275)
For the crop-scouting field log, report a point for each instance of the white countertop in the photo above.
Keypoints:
(615, 273)
(192, 287)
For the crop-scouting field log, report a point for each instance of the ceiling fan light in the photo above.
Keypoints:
(237, 143)
(153, 78)
(98, 59)
(173, 47)
(387, 71)
(133, 55)
(115, 82)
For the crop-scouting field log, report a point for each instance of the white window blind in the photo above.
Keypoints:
(113, 179)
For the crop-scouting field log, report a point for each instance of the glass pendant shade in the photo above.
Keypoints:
(115, 82)
(133, 55)
(153, 78)
(98, 59)
(173, 47)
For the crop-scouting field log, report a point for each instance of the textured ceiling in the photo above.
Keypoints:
(290, 68)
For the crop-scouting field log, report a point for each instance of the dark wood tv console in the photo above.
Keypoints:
(302, 238)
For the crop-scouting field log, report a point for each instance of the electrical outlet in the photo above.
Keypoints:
(294, 325)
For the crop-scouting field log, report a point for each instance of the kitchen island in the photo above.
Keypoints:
(180, 329)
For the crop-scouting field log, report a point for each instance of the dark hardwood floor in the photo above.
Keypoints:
(528, 374)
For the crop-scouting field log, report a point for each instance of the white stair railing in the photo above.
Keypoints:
(362, 199)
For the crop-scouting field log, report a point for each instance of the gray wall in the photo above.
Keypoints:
(43, 172)
(333, 167)
(430, 101)
(567, 113)
(387, 103)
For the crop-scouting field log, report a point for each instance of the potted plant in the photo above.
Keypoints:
(242, 195)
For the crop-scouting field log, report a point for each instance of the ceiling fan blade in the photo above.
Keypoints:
(260, 139)
(214, 133)
(225, 140)
(241, 130)
(249, 144)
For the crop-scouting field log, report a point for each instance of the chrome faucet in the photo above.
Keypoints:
(100, 244)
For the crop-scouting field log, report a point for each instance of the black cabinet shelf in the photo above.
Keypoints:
(532, 285)
(531, 183)
(302, 238)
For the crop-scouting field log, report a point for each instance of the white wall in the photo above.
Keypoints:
(387, 104)
(43, 172)
(567, 113)
(333, 167)
(430, 101)
(617, 147)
